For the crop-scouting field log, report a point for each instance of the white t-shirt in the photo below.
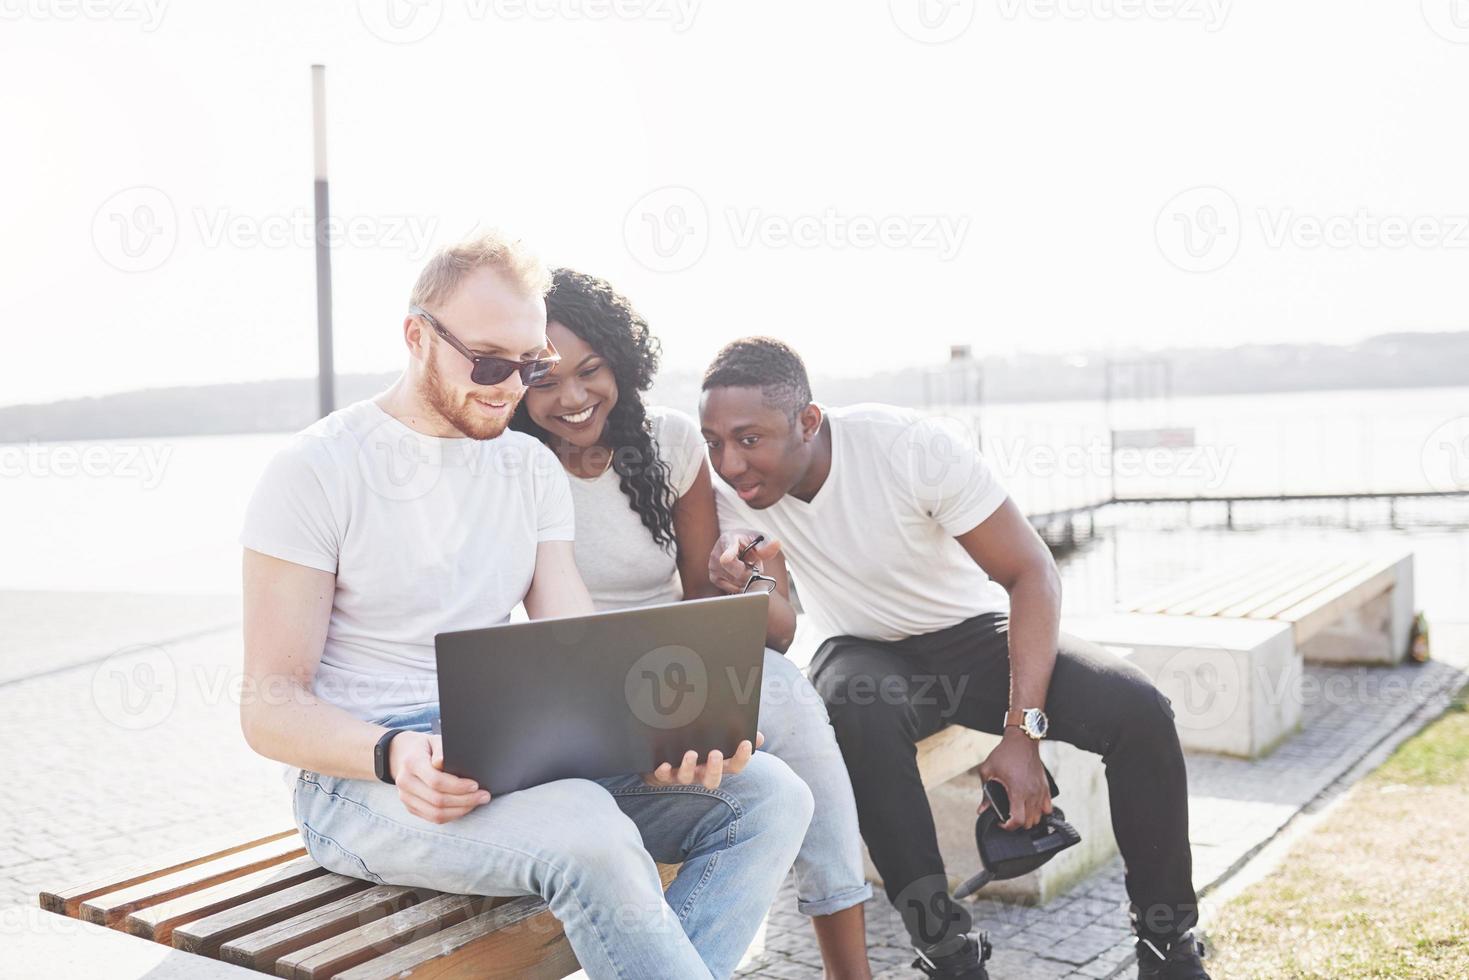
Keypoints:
(425, 534)
(874, 553)
(616, 555)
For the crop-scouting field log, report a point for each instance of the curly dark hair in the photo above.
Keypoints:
(590, 308)
(771, 365)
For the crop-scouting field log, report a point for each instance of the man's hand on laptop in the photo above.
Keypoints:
(709, 772)
(728, 570)
(416, 763)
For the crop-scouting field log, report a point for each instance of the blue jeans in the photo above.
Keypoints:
(829, 872)
(587, 847)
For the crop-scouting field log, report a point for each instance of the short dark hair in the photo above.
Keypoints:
(771, 365)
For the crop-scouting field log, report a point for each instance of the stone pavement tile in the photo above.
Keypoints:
(1086, 945)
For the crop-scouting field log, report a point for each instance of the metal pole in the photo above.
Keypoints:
(324, 371)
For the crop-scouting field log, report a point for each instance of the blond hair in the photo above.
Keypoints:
(449, 267)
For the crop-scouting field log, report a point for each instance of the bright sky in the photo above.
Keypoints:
(871, 180)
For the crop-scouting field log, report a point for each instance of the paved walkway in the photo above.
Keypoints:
(114, 759)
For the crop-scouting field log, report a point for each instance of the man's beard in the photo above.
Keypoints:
(460, 415)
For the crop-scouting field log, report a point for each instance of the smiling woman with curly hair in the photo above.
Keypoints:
(586, 315)
(645, 525)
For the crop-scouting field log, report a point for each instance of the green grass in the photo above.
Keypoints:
(1379, 890)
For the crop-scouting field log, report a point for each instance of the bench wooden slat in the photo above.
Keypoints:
(330, 956)
(520, 939)
(1156, 600)
(260, 949)
(336, 954)
(157, 922)
(68, 901)
(1273, 577)
(951, 751)
(1323, 609)
(206, 935)
(1308, 591)
(1280, 595)
(112, 907)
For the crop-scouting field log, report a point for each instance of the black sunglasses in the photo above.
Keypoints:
(755, 574)
(493, 370)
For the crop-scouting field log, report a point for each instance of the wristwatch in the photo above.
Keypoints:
(380, 756)
(1032, 721)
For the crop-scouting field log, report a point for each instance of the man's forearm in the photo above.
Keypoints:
(1035, 622)
(302, 730)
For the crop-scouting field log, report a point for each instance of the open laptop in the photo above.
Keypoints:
(601, 695)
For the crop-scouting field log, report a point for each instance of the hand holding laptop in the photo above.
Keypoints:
(715, 768)
(416, 763)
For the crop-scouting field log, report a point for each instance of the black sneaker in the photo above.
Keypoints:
(1180, 960)
(965, 963)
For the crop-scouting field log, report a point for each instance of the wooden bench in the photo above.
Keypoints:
(1340, 610)
(263, 905)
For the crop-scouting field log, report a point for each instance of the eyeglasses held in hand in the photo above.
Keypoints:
(754, 567)
(493, 370)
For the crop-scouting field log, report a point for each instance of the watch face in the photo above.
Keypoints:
(1036, 723)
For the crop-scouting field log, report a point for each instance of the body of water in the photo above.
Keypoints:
(161, 515)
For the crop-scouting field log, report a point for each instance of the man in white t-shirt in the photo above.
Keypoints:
(940, 604)
(415, 513)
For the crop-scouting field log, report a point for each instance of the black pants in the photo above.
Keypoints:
(884, 697)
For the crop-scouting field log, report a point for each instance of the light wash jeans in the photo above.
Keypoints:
(829, 872)
(587, 848)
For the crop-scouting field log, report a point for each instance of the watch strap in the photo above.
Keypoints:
(380, 756)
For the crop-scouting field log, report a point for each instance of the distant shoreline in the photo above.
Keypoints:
(1390, 362)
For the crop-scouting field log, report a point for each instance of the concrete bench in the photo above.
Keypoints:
(1227, 647)
(1340, 610)
(263, 906)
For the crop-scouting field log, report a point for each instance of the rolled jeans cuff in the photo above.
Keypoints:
(845, 900)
